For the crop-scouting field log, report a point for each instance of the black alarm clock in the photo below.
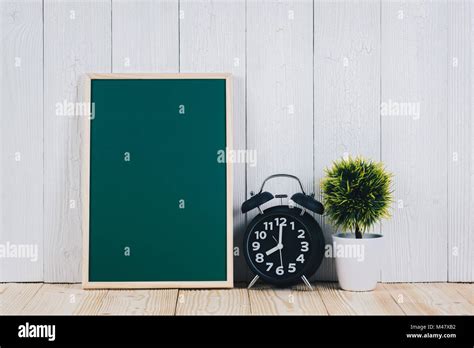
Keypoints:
(283, 244)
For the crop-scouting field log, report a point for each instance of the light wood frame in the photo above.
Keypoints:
(85, 188)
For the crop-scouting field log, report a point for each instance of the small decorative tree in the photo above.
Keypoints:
(356, 193)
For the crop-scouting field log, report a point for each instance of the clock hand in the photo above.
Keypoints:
(272, 250)
(280, 235)
(279, 246)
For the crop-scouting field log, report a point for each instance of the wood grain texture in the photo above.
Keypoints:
(340, 302)
(430, 299)
(460, 151)
(55, 299)
(279, 95)
(145, 36)
(139, 302)
(422, 299)
(77, 41)
(466, 291)
(413, 72)
(213, 302)
(471, 219)
(346, 91)
(21, 136)
(296, 301)
(212, 39)
(15, 296)
(408, 47)
(90, 302)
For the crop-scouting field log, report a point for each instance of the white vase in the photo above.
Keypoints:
(358, 260)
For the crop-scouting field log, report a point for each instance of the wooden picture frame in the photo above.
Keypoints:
(85, 186)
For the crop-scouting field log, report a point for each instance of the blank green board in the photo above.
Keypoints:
(158, 194)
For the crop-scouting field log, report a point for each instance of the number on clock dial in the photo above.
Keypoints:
(277, 255)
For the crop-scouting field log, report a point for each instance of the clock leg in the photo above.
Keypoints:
(254, 280)
(307, 283)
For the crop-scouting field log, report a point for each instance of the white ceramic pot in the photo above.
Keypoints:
(358, 260)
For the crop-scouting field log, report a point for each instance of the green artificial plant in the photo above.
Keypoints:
(356, 193)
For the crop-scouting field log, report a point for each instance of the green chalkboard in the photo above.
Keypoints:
(157, 199)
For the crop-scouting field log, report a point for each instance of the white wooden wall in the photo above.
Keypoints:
(310, 79)
(21, 135)
(346, 89)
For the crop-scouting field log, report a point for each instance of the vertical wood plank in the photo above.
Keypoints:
(21, 137)
(212, 39)
(471, 219)
(145, 36)
(460, 134)
(280, 94)
(77, 40)
(346, 90)
(414, 137)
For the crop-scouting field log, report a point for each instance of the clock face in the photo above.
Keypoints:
(279, 246)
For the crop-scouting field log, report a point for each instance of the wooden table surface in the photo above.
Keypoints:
(325, 299)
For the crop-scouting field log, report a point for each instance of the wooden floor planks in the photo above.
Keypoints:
(325, 299)
(58, 299)
(339, 302)
(296, 301)
(466, 291)
(213, 302)
(432, 298)
(139, 302)
(15, 296)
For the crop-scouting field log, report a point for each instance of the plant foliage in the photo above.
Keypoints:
(356, 193)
